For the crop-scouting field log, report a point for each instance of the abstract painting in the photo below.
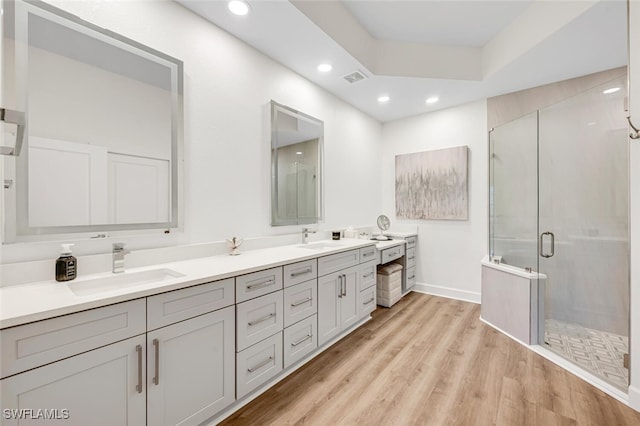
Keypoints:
(433, 184)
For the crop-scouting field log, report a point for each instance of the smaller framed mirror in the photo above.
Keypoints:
(296, 167)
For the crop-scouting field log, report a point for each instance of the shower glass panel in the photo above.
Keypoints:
(583, 230)
(513, 192)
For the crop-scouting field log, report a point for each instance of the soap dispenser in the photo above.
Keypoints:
(66, 264)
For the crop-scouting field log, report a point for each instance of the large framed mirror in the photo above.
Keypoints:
(296, 167)
(103, 126)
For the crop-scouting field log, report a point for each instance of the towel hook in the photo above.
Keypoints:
(632, 135)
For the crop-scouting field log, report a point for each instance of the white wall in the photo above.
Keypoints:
(449, 252)
(228, 86)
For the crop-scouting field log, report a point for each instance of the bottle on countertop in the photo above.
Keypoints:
(66, 265)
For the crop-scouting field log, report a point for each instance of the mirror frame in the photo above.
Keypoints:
(16, 223)
(276, 220)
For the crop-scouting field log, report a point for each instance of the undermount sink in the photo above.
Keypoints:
(321, 245)
(121, 281)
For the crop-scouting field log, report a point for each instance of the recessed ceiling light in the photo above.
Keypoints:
(325, 67)
(238, 7)
(299, 153)
(432, 100)
(612, 90)
(383, 99)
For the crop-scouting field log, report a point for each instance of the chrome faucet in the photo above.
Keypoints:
(118, 257)
(305, 235)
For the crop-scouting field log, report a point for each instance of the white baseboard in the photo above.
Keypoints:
(634, 398)
(448, 292)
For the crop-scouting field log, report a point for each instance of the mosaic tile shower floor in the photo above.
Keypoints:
(595, 351)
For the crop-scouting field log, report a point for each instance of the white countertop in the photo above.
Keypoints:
(381, 245)
(399, 234)
(20, 304)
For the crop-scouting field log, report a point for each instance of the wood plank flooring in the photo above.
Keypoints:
(431, 361)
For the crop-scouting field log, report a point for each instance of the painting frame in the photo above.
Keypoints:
(433, 185)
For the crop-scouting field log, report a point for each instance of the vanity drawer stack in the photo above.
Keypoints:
(259, 324)
(410, 270)
(367, 285)
(301, 308)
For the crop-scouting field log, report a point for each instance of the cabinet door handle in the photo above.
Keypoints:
(261, 284)
(340, 286)
(263, 319)
(305, 338)
(262, 364)
(344, 286)
(139, 352)
(302, 302)
(297, 274)
(156, 345)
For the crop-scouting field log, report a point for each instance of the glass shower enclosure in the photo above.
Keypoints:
(558, 200)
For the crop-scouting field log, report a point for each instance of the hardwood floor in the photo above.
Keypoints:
(431, 361)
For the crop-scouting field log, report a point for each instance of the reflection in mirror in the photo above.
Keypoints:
(103, 126)
(296, 160)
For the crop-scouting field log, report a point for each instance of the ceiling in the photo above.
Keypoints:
(458, 51)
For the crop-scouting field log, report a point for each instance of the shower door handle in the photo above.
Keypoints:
(553, 244)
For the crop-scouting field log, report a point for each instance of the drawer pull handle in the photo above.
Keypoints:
(263, 319)
(411, 277)
(370, 274)
(297, 274)
(262, 284)
(370, 253)
(139, 385)
(262, 364)
(366, 303)
(412, 257)
(302, 302)
(156, 345)
(305, 338)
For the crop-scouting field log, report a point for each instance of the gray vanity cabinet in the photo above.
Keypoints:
(190, 369)
(165, 359)
(337, 303)
(98, 388)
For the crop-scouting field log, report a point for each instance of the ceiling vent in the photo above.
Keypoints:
(354, 77)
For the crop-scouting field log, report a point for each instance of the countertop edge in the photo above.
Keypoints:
(69, 303)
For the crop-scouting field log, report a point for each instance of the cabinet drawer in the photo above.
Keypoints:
(300, 301)
(366, 302)
(258, 319)
(299, 340)
(174, 306)
(367, 254)
(411, 241)
(38, 343)
(411, 257)
(258, 283)
(338, 261)
(300, 272)
(411, 277)
(392, 253)
(367, 275)
(257, 364)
